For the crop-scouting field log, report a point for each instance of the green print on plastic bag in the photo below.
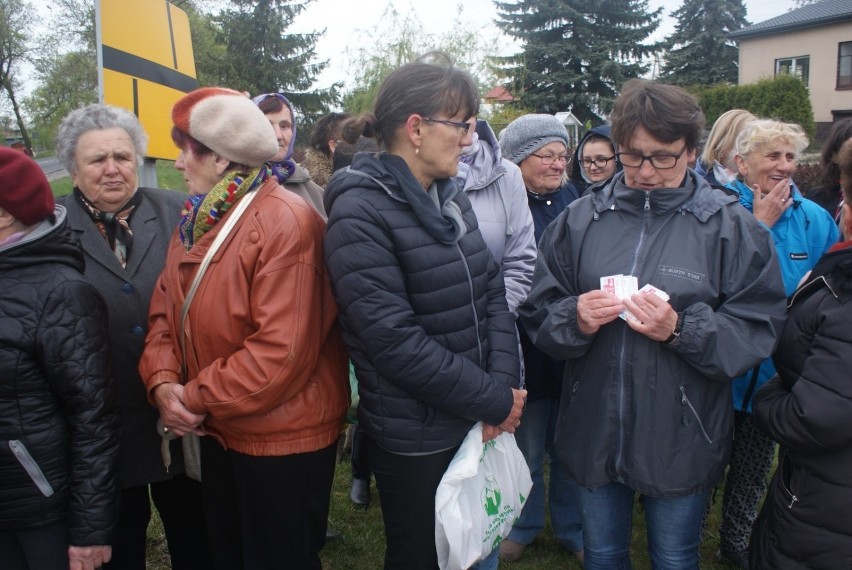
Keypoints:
(491, 497)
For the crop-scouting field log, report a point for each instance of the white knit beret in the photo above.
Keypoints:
(528, 133)
(228, 123)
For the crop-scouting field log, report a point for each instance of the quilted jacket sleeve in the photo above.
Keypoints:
(814, 415)
(72, 339)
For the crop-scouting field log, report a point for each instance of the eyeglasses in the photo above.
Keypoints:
(658, 161)
(465, 127)
(599, 162)
(549, 159)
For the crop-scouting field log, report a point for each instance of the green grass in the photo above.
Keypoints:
(362, 546)
(167, 177)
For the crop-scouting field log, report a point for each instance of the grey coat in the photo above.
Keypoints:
(127, 293)
(655, 417)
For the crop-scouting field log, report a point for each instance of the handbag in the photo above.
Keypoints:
(479, 498)
(190, 442)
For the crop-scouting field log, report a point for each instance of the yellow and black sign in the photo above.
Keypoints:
(145, 63)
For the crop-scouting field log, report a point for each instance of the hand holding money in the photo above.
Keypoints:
(595, 309)
(651, 315)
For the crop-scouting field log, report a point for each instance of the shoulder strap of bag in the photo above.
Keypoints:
(232, 220)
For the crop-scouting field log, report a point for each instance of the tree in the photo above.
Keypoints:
(15, 17)
(260, 56)
(699, 51)
(576, 54)
(66, 81)
(400, 39)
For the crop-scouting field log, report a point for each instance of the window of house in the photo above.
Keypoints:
(844, 65)
(798, 66)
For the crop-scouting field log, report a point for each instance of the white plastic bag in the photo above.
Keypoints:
(479, 498)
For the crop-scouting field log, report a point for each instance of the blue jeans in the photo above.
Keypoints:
(673, 523)
(534, 437)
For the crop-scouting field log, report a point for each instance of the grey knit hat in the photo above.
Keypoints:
(527, 134)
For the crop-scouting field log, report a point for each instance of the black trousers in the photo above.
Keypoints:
(407, 485)
(179, 504)
(42, 548)
(360, 455)
(265, 513)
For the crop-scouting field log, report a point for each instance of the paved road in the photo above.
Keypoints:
(52, 168)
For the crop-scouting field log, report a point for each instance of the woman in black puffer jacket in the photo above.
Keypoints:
(422, 302)
(806, 520)
(58, 422)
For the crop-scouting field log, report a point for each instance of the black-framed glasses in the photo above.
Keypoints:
(658, 161)
(549, 159)
(465, 127)
(599, 162)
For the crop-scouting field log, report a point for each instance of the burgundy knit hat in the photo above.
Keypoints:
(228, 123)
(24, 192)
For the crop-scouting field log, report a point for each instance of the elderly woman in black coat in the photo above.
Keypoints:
(806, 520)
(58, 423)
(124, 230)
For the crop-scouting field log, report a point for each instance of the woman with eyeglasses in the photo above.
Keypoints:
(766, 155)
(594, 160)
(645, 406)
(538, 144)
(422, 302)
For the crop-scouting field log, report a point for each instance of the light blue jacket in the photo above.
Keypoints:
(801, 235)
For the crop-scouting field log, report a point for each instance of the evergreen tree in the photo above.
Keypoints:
(699, 51)
(576, 53)
(261, 57)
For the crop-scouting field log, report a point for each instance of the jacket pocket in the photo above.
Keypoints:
(32, 468)
(784, 477)
(688, 410)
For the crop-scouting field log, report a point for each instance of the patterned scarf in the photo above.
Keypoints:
(203, 212)
(114, 226)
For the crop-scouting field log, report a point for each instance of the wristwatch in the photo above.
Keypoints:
(676, 331)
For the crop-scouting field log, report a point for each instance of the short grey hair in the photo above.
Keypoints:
(97, 117)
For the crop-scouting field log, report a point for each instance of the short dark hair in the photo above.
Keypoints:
(427, 86)
(271, 104)
(844, 160)
(667, 112)
(839, 133)
(345, 152)
(325, 129)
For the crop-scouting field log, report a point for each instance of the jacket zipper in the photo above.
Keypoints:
(619, 457)
(793, 498)
(29, 464)
(687, 404)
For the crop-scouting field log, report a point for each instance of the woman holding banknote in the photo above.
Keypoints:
(645, 403)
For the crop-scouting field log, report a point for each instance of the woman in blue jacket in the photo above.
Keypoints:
(802, 231)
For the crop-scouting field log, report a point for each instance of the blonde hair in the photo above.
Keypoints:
(721, 141)
(770, 132)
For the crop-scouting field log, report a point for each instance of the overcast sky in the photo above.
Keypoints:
(347, 21)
